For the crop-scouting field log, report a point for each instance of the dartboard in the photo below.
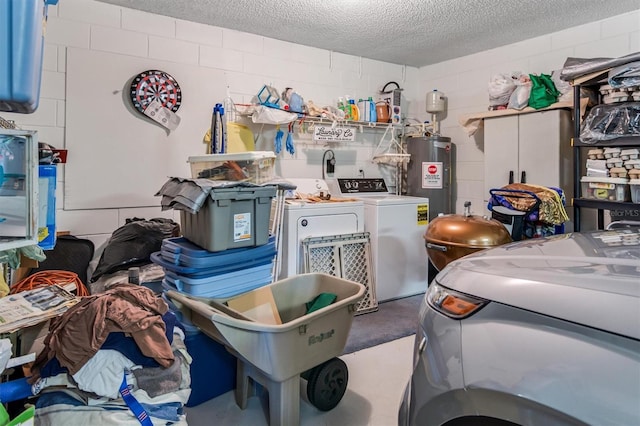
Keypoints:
(153, 84)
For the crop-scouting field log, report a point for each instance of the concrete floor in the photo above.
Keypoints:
(377, 378)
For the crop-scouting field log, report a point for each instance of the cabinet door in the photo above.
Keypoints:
(500, 152)
(545, 148)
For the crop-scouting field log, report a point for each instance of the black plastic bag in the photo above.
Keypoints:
(608, 122)
(133, 243)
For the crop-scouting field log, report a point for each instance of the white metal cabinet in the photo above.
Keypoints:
(537, 144)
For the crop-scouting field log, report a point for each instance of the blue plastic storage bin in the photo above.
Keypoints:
(47, 207)
(207, 272)
(22, 28)
(223, 286)
(183, 257)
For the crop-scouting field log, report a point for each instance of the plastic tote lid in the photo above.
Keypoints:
(240, 156)
(604, 180)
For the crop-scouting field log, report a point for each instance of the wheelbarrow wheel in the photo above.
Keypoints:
(327, 383)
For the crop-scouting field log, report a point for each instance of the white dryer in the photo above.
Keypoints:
(396, 224)
(302, 220)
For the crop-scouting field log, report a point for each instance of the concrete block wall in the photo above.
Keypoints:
(464, 81)
(249, 61)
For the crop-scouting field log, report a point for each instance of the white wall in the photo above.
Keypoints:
(464, 81)
(249, 61)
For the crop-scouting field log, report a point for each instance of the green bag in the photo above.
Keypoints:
(543, 91)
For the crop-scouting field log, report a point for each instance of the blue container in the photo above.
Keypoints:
(22, 24)
(182, 256)
(208, 272)
(223, 286)
(213, 369)
(46, 207)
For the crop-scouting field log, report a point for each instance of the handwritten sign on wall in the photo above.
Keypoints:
(334, 134)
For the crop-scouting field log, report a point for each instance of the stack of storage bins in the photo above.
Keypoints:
(226, 249)
(219, 275)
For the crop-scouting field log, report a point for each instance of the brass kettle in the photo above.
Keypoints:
(382, 112)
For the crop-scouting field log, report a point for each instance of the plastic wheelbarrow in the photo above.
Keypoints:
(276, 356)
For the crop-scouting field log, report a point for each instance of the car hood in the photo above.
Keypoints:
(588, 278)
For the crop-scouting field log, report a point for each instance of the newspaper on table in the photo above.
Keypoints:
(33, 306)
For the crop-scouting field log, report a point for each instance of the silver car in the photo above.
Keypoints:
(537, 332)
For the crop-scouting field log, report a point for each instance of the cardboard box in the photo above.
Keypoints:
(258, 305)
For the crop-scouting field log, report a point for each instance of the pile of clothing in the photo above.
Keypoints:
(116, 357)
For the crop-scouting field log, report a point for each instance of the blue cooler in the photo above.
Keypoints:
(213, 368)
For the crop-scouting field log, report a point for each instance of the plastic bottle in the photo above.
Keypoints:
(341, 104)
(346, 108)
(363, 109)
(373, 116)
(355, 114)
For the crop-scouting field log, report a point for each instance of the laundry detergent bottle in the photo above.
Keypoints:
(355, 114)
(363, 109)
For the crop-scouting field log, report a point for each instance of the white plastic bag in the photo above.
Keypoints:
(263, 114)
(500, 88)
(564, 87)
(520, 97)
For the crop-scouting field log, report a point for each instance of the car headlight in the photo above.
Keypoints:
(451, 303)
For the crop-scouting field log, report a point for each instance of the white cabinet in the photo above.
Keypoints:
(536, 146)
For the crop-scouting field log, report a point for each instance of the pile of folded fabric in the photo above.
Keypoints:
(117, 357)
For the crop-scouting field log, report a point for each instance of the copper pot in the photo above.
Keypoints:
(450, 237)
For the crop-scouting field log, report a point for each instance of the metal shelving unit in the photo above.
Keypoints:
(601, 205)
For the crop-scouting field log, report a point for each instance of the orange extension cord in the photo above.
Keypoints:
(47, 278)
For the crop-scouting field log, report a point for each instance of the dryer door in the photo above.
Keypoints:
(320, 226)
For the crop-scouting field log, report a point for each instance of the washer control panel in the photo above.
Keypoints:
(362, 185)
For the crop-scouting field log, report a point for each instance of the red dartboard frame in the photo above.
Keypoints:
(155, 84)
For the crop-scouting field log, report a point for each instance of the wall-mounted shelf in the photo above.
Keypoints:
(604, 204)
(246, 112)
(621, 141)
(350, 123)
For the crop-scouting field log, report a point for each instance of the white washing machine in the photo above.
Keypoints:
(302, 220)
(396, 224)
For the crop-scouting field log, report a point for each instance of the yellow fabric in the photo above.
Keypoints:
(239, 138)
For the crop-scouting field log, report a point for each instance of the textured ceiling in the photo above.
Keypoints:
(411, 32)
